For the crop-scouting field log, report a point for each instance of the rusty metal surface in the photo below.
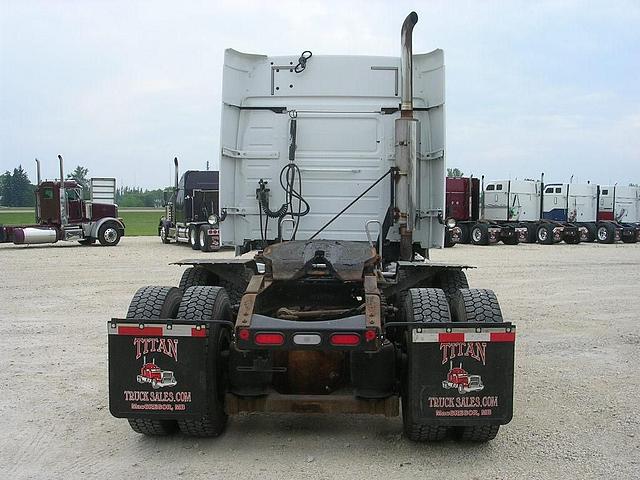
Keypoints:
(348, 261)
(372, 301)
(311, 372)
(248, 301)
(329, 312)
(216, 261)
(332, 404)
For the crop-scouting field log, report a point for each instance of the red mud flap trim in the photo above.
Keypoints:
(462, 374)
(158, 368)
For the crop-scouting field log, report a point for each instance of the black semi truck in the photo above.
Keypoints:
(191, 210)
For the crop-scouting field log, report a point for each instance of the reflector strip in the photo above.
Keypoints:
(269, 339)
(431, 336)
(503, 337)
(345, 339)
(133, 329)
(451, 337)
(307, 339)
(145, 331)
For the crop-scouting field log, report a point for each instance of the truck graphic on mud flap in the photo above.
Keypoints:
(459, 378)
(151, 373)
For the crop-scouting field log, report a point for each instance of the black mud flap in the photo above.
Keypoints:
(462, 374)
(159, 369)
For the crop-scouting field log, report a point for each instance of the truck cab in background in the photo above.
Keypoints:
(530, 211)
(619, 205)
(62, 213)
(191, 210)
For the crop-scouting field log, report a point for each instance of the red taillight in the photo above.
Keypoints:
(244, 334)
(342, 339)
(269, 339)
(370, 335)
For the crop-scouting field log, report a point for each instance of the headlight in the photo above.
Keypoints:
(213, 219)
(451, 222)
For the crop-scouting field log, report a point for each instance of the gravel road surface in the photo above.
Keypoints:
(577, 383)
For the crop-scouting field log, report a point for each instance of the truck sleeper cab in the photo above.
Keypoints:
(192, 211)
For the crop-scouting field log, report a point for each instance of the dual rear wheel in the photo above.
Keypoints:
(435, 305)
(196, 303)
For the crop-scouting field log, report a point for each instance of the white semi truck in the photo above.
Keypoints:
(530, 211)
(333, 172)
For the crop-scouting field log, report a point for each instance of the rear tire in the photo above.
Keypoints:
(450, 281)
(572, 240)
(476, 305)
(154, 302)
(209, 303)
(531, 233)
(606, 233)
(164, 234)
(630, 238)
(151, 427)
(194, 277)
(592, 232)
(448, 243)
(465, 234)
(204, 239)
(545, 234)
(480, 234)
(478, 433)
(193, 237)
(422, 305)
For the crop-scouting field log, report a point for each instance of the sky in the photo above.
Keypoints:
(121, 87)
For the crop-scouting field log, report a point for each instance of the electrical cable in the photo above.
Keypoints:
(351, 203)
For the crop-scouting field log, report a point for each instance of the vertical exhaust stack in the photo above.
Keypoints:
(406, 145)
(37, 193)
(406, 35)
(482, 197)
(541, 196)
(175, 180)
(37, 172)
(64, 219)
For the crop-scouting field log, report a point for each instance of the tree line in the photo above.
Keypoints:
(16, 190)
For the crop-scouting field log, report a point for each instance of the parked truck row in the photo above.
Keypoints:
(530, 211)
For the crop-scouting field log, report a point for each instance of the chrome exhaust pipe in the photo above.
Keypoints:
(406, 146)
(37, 205)
(64, 219)
(406, 35)
(175, 180)
(37, 172)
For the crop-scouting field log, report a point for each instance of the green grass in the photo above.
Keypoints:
(141, 223)
(136, 223)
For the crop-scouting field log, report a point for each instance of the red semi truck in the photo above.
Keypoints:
(61, 213)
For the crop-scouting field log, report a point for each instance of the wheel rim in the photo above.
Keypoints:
(192, 236)
(602, 234)
(477, 234)
(110, 235)
(202, 238)
(163, 234)
(542, 234)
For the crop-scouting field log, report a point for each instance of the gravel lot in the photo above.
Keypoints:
(576, 307)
